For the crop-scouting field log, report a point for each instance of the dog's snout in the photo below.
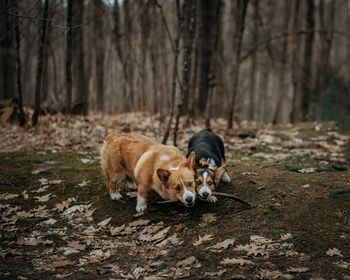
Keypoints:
(205, 194)
(189, 199)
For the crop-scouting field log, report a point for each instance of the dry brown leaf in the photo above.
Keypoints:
(334, 252)
(286, 236)
(43, 198)
(223, 245)
(186, 262)
(238, 261)
(298, 269)
(8, 196)
(212, 274)
(203, 239)
(208, 218)
(104, 222)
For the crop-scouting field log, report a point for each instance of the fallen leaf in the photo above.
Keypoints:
(186, 262)
(286, 236)
(139, 223)
(298, 269)
(203, 239)
(223, 245)
(238, 261)
(42, 189)
(84, 183)
(334, 252)
(104, 222)
(343, 264)
(160, 235)
(49, 222)
(116, 230)
(8, 196)
(43, 198)
(212, 274)
(208, 218)
(43, 181)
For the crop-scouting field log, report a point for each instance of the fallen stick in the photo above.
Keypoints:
(233, 197)
(217, 194)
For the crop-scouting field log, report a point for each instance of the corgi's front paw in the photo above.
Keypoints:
(226, 178)
(141, 205)
(212, 199)
(116, 195)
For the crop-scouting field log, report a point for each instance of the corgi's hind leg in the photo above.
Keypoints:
(115, 180)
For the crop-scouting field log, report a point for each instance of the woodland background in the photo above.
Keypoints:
(266, 61)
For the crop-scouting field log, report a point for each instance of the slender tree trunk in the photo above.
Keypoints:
(99, 44)
(175, 74)
(117, 41)
(282, 72)
(130, 101)
(207, 37)
(255, 35)
(187, 65)
(79, 54)
(21, 115)
(69, 49)
(326, 47)
(238, 38)
(145, 28)
(307, 67)
(42, 46)
(293, 56)
(7, 54)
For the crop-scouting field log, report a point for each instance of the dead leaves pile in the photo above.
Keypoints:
(59, 132)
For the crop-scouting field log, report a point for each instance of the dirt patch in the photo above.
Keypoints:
(52, 206)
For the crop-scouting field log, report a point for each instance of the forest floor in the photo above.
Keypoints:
(57, 220)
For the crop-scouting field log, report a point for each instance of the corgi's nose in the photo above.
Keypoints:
(189, 199)
(205, 194)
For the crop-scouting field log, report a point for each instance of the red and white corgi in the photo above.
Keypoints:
(152, 166)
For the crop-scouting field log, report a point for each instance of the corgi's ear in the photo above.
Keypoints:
(163, 174)
(218, 172)
(191, 161)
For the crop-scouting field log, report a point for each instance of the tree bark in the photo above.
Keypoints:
(99, 44)
(69, 47)
(22, 119)
(40, 60)
(187, 65)
(307, 67)
(326, 47)
(241, 9)
(7, 54)
(175, 74)
(292, 53)
(255, 35)
(282, 72)
(207, 38)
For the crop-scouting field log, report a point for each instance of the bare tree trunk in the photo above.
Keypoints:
(293, 55)
(207, 38)
(326, 46)
(79, 53)
(187, 65)
(282, 72)
(175, 74)
(117, 42)
(69, 49)
(7, 55)
(144, 47)
(130, 101)
(99, 44)
(42, 45)
(307, 67)
(22, 119)
(255, 35)
(238, 38)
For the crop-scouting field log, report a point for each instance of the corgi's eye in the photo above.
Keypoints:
(198, 182)
(178, 188)
(209, 183)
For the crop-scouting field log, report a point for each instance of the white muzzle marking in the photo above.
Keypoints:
(205, 188)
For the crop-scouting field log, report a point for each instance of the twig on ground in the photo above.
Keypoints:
(233, 197)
